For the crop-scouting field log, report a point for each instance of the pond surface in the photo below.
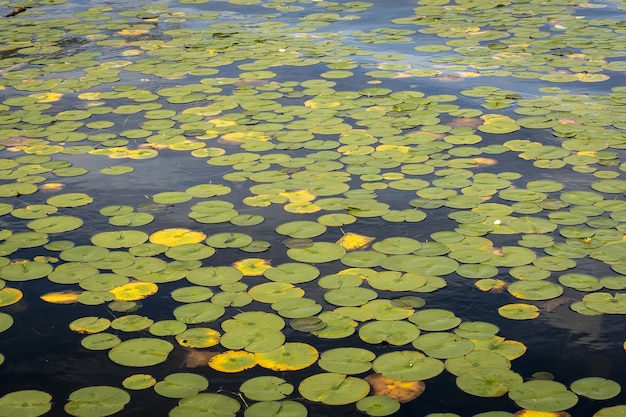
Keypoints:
(290, 208)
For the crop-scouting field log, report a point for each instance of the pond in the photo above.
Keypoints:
(290, 208)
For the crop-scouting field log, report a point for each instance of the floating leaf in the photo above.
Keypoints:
(596, 388)
(206, 404)
(252, 266)
(141, 352)
(395, 332)
(352, 241)
(292, 356)
(96, 401)
(26, 403)
(333, 388)
(9, 296)
(180, 385)
(139, 382)
(378, 405)
(134, 291)
(519, 311)
(443, 345)
(543, 396)
(266, 388)
(119, 239)
(232, 361)
(407, 366)
(176, 237)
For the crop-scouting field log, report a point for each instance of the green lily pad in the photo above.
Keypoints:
(393, 332)
(396, 281)
(167, 328)
(139, 382)
(378, 405)
(396, 246)
(519, 311)
(206, 404)
(266, 388)
(100, 341)
(180, 385)
(141, 352)
(333, 388)
(229, 240)
(296, 307)
(476, 330)
(407, 366)
(476, 359)
(348, 296)
(534, 290)
(318, 252)
(293, 273)
(25, 271)
(292, 356)
(435, 320)
(301, 229)
(200, 312)
(442, 345)
(488, 381)
(119, 239)
(600, 301)
(96, 401)
(70, 200)
(276, 409)
(346, 360)
(26, 403)
(541, 395)
(596, 388)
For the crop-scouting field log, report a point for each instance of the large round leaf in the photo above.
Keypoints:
(333, 388)
(96, 401)
(141, 352)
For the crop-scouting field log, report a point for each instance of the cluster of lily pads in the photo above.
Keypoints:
(266, 101)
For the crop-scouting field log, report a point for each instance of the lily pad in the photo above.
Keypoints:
(488, 381)
(266, 388)
(141, 352)
(26, 403)
(596, 388)
(541, 395)
(333, 388)
(96, 401)
(407, 366)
